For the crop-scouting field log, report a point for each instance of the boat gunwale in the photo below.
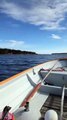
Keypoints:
(18, 74)
(27, 70)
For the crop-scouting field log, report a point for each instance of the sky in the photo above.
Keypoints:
(34, 25)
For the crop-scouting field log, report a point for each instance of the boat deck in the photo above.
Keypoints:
(35, 105)
(54, 102)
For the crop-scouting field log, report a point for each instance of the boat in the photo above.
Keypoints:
(38, 92)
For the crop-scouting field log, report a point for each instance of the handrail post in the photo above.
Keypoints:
(62, 103)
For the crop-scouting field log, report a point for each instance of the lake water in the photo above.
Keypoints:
(13, 64)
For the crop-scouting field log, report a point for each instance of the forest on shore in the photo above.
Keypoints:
(12, 51)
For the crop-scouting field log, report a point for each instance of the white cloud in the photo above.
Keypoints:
(13, 44)
(47, 14)
(17, 44)
(54, 36)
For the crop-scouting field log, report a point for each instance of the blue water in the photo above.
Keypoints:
(13, 64)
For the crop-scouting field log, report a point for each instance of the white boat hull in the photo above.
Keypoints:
(14, 90)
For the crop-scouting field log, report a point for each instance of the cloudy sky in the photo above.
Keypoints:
(34, 25)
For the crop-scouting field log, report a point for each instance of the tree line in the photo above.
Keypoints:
(12, 51)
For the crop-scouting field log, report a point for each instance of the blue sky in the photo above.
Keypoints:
(34, 25)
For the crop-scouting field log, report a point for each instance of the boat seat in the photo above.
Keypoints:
(56, 69)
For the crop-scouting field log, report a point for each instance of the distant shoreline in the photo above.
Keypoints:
(59, 53)
(12, 51)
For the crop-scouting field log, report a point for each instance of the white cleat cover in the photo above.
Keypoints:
(51, 115)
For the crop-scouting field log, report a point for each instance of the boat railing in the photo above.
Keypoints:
(62, 103)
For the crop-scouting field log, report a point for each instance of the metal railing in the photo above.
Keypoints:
(62, 103)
